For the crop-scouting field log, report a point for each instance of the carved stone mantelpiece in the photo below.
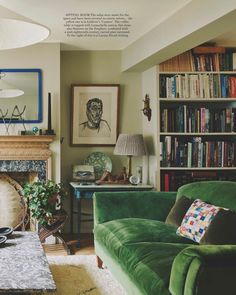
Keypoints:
(26, 147)
(27, 139)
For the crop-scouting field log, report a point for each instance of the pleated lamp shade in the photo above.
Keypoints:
(130, 145)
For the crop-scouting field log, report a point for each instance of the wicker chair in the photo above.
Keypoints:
(21, 217)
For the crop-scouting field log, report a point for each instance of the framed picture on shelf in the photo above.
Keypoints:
(94, 114)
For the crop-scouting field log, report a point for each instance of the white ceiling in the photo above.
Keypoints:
(146, 14)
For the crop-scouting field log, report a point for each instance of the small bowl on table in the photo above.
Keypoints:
(6, 231)
(2, 239)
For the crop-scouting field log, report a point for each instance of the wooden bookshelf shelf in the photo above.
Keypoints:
(224, 100)
(197, 73)
(196, 111)
(198, 168)
(197, 134)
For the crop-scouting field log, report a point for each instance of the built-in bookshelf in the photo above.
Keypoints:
(197, 117)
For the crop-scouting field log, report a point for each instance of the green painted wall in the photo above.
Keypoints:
(98, 67)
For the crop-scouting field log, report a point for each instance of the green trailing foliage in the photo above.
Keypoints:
(42, 197)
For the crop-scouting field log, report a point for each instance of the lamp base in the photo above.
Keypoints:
(129, 172)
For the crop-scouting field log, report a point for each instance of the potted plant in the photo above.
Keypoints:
(42, 198)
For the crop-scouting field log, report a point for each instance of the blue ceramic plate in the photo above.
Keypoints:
(6, 231)
(100, 162)
(3, 239)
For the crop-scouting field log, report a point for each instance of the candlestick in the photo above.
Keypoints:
(49, 112)
(49, 131)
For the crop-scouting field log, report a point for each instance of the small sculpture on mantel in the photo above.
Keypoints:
(122, 175)
(107, 178)
(147, 111)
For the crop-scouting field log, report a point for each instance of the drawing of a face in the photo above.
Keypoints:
(94, 112)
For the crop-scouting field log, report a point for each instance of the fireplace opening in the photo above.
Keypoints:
(25, 169)
(21, 172)
(23, 177)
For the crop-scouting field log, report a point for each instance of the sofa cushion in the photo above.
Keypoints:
(219, 193)
(125, 231)
(197, 220)
(178, 211)
(149, 265)
(221, 230)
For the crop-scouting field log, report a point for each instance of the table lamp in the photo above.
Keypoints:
(130, 145)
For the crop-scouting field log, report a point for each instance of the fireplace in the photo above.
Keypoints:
(22, 170)
(26, 156)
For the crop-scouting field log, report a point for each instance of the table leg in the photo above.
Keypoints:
(79, 222)
(58, 236)
(71, 209)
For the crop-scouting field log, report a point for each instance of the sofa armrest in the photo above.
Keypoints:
(116, 205)
(201, 270)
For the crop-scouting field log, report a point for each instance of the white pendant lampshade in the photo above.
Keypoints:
(8, 90)
(17, 33)
(9, 93)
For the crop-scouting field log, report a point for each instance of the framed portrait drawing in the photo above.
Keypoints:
(94, 114)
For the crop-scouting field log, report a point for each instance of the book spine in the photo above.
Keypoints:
(168, 150)
(203, 120)
(166, 182)
(189, 160)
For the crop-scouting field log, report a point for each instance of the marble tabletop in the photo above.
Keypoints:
(23, 265)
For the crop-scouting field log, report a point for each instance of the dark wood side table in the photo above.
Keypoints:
(57, 221)
(79, 192)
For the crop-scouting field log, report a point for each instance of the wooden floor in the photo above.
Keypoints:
(86, 245)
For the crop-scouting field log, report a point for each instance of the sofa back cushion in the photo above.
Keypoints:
(221, 230)
(219, 193)
(178, 211)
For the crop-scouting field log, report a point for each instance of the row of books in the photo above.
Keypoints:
(182, 62)
(200, 120)
(198, 86)
(196, 153)
(172, 180)
(214, 62)
(202, 58)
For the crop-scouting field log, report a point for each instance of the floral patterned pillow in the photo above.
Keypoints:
(197, 219)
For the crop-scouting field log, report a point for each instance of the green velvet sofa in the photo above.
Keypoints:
(147, 257)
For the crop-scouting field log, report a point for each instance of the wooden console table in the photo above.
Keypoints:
(79, 192)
